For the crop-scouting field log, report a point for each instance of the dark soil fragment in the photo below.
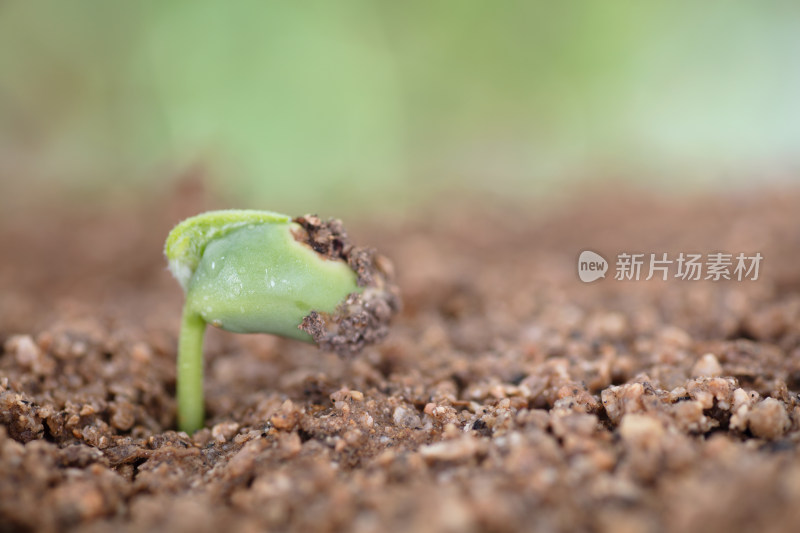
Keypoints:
(363, 318)
(327, 238)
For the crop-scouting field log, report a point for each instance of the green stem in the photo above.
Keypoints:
(191, 409)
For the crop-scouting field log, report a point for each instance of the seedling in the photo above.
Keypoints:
(262, 272)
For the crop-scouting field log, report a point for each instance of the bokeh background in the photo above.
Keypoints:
(375, 106)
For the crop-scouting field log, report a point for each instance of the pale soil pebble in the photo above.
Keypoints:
(768, 419)
(457, 449)
(224, 431)
(707, 366)
(508, 396)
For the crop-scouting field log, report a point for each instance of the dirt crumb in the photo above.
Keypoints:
(707, 366)
(768, 419)
(363, 318)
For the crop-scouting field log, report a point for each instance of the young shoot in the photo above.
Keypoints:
(261, 272)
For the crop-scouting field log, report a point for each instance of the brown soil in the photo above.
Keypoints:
(363, 318)
(508, 396)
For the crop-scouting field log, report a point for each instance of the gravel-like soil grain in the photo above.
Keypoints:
(508, 396)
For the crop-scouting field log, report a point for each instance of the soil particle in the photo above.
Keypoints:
(457, 449)
(327, 238)
(768, 419)
(122, 415)
(707, 366)
(224, 431)
(363, 318)
(286, 418)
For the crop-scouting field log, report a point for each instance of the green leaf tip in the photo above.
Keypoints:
(188, 240)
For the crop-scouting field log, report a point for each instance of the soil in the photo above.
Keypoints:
(508, 395)
(363, 318)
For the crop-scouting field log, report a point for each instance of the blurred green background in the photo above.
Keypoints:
(322, 105)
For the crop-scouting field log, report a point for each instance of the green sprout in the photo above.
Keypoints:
(261, 272)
